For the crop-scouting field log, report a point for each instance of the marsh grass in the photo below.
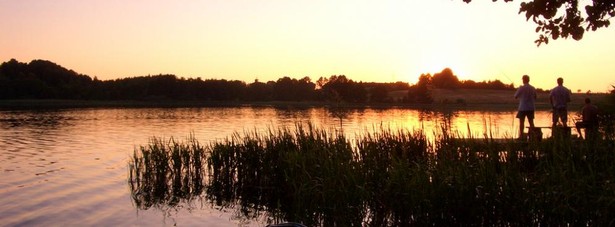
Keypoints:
(385, 178)
(166, 172)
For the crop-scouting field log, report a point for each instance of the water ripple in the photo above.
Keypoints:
(69, 167)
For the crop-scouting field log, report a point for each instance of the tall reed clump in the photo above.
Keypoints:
(386, 178)
(575, 182)
(304, 175)
(394, 165)
(559, 180)
(165, 173)
(478, 181)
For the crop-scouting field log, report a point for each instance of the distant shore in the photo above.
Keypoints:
(68, 104)
(443, 99)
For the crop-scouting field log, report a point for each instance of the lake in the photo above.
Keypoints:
(69, 167)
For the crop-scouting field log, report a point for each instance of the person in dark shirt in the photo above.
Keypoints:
(589, 115)
(559, 98)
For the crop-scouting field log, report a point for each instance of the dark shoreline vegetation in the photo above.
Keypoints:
(43, 84)
(385, 178)
(41, 79)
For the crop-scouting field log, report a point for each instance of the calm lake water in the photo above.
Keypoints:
(70, 167)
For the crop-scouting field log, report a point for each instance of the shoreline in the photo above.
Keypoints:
(444, 100)
(34, 104)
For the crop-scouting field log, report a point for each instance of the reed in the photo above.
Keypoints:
(385, 178)
(303, 174)
(166, 173)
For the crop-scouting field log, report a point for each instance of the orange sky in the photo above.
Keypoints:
(372, 41)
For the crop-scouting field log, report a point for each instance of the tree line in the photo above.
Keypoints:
(41, 79)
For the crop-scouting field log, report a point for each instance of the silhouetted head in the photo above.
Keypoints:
(560, 81)
(588, 101)
(526, 79)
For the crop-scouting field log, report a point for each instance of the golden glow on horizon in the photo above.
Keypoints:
(442, 56)
(384, 41)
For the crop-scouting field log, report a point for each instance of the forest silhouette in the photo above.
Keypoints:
(42, 79)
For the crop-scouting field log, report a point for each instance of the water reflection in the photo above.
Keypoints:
(57, 163)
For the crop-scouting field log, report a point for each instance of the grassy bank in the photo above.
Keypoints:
(505, 98)
(386, 178)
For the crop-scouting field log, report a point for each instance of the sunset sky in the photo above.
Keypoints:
(370, 41)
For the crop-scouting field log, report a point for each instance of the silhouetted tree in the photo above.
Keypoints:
(379, 92)
(320, 83)
(344, 89)
(420, 93)
(611, 100)
(222, 90)
(31, 87)
(469, 84)
(283, 89)
(96, 91)
(563, 18)
(133, 88)
(42, 79)
(6, 87)
(161, 87)
(306, 89)
(287, 89)
(259, 91)
(13, 69)
(495, 85)
(187, 89)
(445, 79)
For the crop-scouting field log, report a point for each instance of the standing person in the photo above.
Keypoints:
(559, 98)
(526, 94)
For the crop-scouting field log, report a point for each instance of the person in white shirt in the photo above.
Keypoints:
(526, 94)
